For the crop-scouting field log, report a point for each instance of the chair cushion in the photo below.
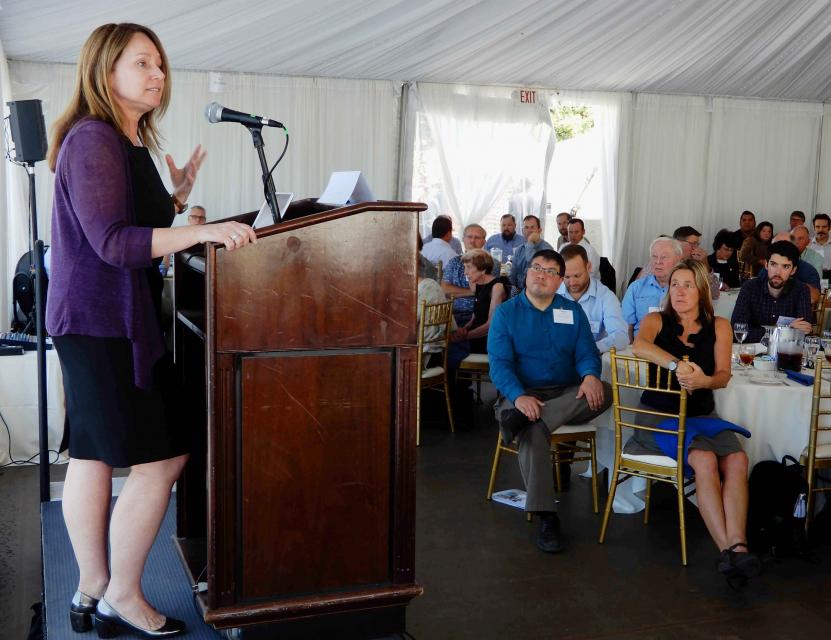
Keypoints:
(661, 461)
(476, 358)
(432, 372)
(823, 451)
(576, 428)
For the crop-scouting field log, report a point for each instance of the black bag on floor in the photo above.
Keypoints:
(36, 626)
(776, 513)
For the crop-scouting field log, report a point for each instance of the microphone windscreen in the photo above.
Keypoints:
(213, 112)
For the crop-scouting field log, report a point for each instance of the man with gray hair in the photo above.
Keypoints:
(454, 281)
(646, 295)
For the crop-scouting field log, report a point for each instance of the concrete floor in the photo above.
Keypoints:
(484, 578)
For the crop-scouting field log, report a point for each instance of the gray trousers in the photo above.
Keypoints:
(561, 407)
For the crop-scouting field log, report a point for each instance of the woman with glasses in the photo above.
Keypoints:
(688, 327)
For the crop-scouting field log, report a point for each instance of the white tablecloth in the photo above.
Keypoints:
(776, 416)
(19, 405)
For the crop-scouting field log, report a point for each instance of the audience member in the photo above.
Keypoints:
(562, 226)
(820, 244)
(424, 265)
(723, 259)
(454, 241)
(438, 249)
(508, 240)
(522, 255)
(599, 303)
(690, 240)
(775, 296)
(747, 223)
(754, 249)
(688, 327)
(545, 364)
(197, 215)
(646, 294)
(805, 272)
(577, 236)
(490, 293)
(797, 218)
(430, 292)
(454, 281)
(801, 237)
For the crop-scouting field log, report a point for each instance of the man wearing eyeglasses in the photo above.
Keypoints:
(544, 362)
(690, 240)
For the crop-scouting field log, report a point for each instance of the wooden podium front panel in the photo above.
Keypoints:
(316, 438)
(350, 282)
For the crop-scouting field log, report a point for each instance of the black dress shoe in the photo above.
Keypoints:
(109, 623)
(550, 539)
(80, 612)
(512, 421)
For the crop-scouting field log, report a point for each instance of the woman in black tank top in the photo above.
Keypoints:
(688, 327)
(490, 293)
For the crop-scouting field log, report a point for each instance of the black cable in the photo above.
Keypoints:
(15, 463)
(285, 148)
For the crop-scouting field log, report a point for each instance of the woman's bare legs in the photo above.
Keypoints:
(734, 496)
(87, 492)
(709, 494)
(135, 522)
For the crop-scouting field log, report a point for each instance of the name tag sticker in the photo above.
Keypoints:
(563, 316)
(655, 309)
(595, 326)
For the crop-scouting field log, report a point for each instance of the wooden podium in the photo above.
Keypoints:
(299, 361)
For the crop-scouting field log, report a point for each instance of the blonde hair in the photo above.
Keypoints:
(702, 282)
(92, 96)
(480, 259)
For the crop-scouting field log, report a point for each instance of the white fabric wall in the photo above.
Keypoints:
(702, 161)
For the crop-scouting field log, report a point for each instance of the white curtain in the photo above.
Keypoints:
(479, 149)
(823, 190)
(334, 125)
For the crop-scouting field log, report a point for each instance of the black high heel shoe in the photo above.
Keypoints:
(109, 623)
(80, 612)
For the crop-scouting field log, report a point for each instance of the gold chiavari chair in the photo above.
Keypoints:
(434, 329)
(569, 443)
(439, 271)
(629, 372)
(475, 367)
(817, 455)
(821, 309)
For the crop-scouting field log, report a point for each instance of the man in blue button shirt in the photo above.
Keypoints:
(646, 295)
(545, 364)
(532, 232)
(508, 240)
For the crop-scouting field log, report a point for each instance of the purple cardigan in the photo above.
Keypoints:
(97, 285)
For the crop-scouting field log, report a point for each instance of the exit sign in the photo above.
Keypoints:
(527, 96)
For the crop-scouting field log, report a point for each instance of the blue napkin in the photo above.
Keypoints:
(801, 378)
(701, 425)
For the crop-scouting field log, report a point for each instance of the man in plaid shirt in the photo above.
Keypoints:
(777, 297)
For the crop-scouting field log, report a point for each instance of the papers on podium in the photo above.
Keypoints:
(264, 218)
(346, 187)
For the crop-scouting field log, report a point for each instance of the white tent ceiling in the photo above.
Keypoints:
(764, 48)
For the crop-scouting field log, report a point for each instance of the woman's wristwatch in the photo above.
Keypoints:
(673, 365)
(178, 205)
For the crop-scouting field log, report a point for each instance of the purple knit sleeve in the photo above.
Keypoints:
(94, 170)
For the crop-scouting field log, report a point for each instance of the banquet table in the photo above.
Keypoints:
(19, 406)
(776, 411)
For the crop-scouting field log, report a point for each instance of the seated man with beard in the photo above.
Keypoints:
(776, 297)
(508, 240)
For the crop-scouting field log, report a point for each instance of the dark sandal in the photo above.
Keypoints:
(746, 563)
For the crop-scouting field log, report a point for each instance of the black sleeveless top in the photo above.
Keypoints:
(481, 308)
(702, 352)
(153, 208)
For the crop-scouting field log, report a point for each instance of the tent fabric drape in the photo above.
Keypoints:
(489, 149)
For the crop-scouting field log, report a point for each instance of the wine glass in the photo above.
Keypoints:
(740, 331)
(826, 345)
(746, 354)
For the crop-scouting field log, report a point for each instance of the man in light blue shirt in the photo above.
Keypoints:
(647, 294)
(523, 254)
(600, 305)
(508, 240)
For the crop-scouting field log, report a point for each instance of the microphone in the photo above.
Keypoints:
(215, 112)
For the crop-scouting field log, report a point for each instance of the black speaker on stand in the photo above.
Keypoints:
(29, 136)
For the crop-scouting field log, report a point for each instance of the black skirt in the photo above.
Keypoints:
(107, 417)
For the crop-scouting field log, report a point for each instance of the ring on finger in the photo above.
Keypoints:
(234, 236)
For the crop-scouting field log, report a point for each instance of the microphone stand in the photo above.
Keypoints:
(43, 425)
(268, 183)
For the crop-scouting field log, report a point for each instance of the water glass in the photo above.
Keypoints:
(496, 254)
(740, 331)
